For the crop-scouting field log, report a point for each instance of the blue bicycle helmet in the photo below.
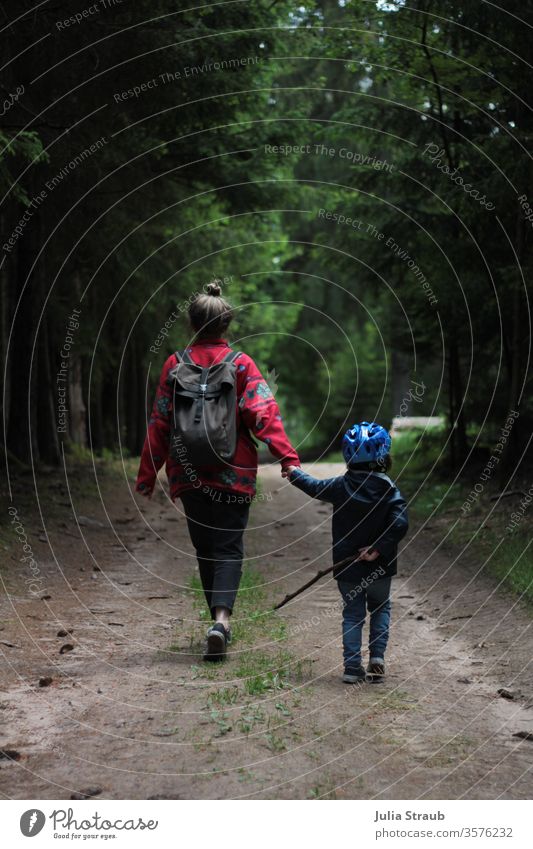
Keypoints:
(366, 442)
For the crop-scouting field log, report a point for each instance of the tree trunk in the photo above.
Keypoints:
(512, 448)
(47, 435)
(5, 313)
(451, 415)
(457, 418)
(21, 430)
(401, 385)
(77, 424)
(78, 411)
(96, 428)
(140, 413)
(134, 400)
(130, 396)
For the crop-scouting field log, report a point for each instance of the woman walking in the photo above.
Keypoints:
(216, 496)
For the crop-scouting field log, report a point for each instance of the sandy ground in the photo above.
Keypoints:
(131, 712)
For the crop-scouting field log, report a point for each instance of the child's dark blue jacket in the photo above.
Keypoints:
(368, 509)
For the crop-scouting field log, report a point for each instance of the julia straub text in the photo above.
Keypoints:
(407, 816)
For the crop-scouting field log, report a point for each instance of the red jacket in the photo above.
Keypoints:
(257, 413)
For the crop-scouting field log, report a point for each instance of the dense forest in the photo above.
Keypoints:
(357, 173)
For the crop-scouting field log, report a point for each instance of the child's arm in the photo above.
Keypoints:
(331, 489)
(396, 527)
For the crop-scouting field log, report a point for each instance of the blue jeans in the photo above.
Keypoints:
(356, 600)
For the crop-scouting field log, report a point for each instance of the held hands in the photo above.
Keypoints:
(368, 553)
(287, 471)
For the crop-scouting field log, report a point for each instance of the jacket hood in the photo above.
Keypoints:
(367, 487)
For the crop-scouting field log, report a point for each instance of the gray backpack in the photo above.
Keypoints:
(203, 422)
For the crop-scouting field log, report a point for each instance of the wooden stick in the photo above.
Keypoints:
(317, 577)
(507, 494)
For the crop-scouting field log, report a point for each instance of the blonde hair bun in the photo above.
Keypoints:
(214, 288)
(209, 313)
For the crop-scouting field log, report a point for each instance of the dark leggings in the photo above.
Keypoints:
(216, 527)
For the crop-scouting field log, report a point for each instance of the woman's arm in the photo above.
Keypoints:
(155, 449)
(260, 412)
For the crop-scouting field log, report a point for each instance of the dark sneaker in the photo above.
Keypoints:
(217, 640)
(354, 675)
(376, 670)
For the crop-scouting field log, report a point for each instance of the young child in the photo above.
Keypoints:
(369, 519)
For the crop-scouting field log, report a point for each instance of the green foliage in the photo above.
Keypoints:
(191, 182)
(512, 562)
(420, 470)
(26, 149)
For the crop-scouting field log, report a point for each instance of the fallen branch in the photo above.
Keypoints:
(507, 494)
(524, 735)
(317, 577)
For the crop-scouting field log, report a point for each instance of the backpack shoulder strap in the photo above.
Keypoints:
(184, 357)
(231, 357)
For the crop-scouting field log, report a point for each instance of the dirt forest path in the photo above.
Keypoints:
(131, 712)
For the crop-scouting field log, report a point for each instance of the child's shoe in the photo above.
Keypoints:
(376, 669)
(354, 675)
